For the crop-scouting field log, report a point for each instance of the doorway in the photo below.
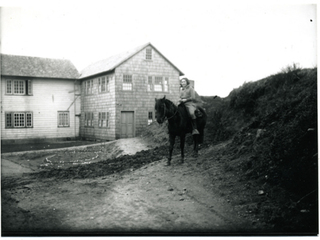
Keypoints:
(127, 124)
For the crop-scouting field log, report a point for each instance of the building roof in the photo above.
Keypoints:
(24, 66)
(113, 62)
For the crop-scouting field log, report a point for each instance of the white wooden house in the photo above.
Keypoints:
(39, 99)
(114, 98)
(118, 93)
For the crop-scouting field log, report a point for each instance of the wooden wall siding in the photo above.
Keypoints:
(140, 100)
(98, 102)
(49, 97)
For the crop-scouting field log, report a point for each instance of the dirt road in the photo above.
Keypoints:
(153, 199)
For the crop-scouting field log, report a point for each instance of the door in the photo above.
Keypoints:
(127, 124)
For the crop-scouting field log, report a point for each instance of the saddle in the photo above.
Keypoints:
(198, 112)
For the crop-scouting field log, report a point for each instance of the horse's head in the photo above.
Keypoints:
(160, 108)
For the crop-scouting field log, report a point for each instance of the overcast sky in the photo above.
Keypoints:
(219, 45)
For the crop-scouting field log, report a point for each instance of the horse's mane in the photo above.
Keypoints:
(167, 101)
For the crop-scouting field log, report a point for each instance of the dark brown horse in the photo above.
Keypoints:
(179, 124)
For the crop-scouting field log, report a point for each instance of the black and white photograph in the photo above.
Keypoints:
(148, 118)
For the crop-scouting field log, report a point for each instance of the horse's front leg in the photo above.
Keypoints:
(172, 139)
(195, 145)
(182, 141)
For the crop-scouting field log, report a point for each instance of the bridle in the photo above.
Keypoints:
(164, 113)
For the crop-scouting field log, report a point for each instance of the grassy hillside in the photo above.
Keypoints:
(275, 121)
(272, 125)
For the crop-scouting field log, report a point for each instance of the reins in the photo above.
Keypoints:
(164, 113)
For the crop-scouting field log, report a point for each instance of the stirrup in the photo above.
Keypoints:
(198, 113)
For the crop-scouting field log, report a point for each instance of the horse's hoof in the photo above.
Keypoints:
(168, 164)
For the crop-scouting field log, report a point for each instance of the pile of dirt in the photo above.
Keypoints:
(104, 167)
(64, 158)
(272, 125)
(155, 133)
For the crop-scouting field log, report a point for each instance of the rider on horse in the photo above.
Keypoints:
(191, 100)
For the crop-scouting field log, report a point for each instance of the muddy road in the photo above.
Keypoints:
(129, 195)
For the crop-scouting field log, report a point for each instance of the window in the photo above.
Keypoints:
(9, 87)
(166, 84)
(150, 118)
(19, 87)
(63, 119)
(19, 119)
(158, 84)
(108, 83)
(29, 119)
(150, 83)
(88, 119)
(127, 82)
(104, 84)
(88, 86)
(9, 120)
(104, 119)
(149, 53)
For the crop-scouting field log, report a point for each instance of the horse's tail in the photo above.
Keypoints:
(201, 135)
(202, 123)
(203, 110)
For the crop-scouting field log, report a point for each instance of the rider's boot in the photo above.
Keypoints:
(194, 127)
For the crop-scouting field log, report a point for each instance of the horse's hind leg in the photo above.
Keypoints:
(182, 141)
(172, 139)
(195, 145)
(200, 138)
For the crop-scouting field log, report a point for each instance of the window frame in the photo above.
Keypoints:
(124, 76)
(106, 84)
(101, 84)
(68, 119)
(103, 117)
(88, 119)
(88, 87)
(166, 84)
(150, 84)
(149, 54)
(156, 78)
(27, 115)
(27, 85)
(153, 86)
(150, 120)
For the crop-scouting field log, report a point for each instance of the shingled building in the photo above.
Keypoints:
(38, 99)
(118, 93)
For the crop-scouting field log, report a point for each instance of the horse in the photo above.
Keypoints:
(179, 124)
